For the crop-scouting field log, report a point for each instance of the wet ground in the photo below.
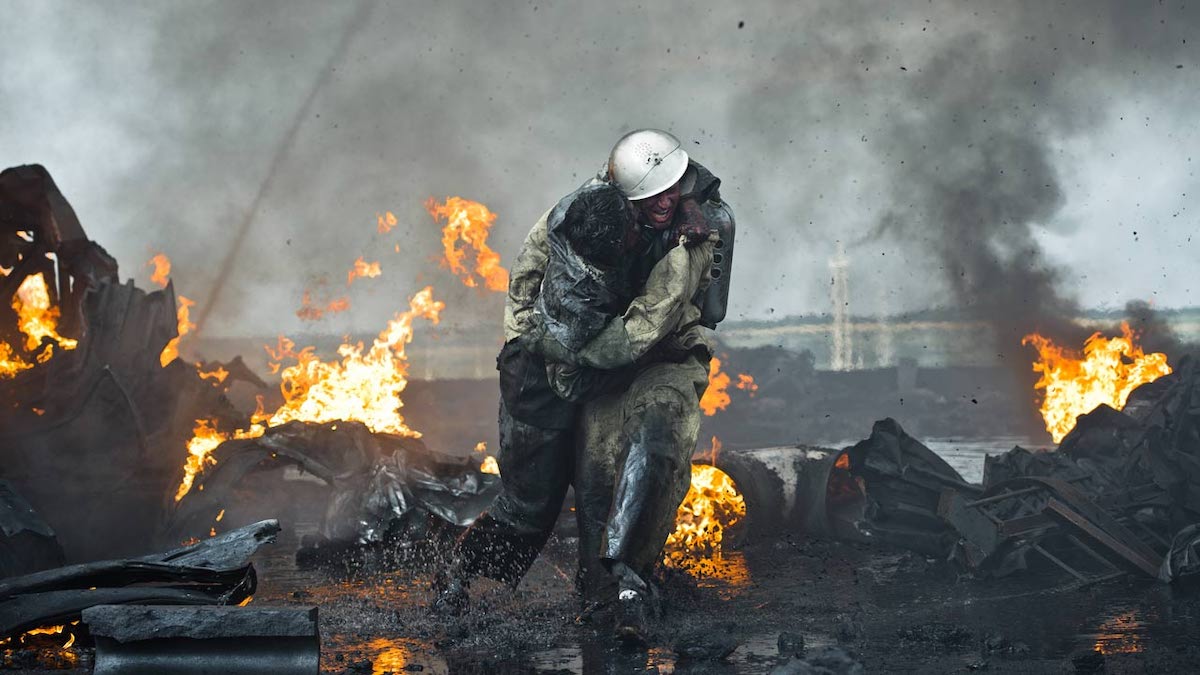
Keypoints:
(893, 611)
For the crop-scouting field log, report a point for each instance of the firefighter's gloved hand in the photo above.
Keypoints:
(539, 341)
(693, 226)
(610, 349)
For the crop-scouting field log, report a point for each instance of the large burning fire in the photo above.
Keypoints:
(1106, 372)
(363, 386)
(468, 222)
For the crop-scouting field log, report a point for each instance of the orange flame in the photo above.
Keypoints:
(1107, 371)
(205, 439)
(362, 269)
(747, 384)
(311, 312)
(468, 222)
(36, 317)
(385, 222)
(10, 362)
(162, 269)
(218, 376)
(489, 464)
(713, 451)
(712, 505)
(364, 386)
(716, 397)
(171, 351)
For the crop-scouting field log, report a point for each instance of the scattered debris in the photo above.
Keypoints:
(215, 571)
(903, 481)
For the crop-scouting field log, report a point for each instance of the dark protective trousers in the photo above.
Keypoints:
(630, 462)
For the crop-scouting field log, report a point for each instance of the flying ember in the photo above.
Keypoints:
(385, 222)
(1106, 372)
(310, 311)
(162, 269)
(362, 268)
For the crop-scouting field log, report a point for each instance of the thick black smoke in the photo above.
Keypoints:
(971, 103)
(932, 131)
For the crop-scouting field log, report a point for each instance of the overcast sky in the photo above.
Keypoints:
(829, 120)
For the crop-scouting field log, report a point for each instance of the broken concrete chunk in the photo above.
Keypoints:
(131, 623)
(235, 640)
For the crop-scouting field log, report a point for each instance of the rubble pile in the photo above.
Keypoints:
(216, 571)
(1121, 494)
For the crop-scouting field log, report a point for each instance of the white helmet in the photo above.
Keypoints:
(646, 162)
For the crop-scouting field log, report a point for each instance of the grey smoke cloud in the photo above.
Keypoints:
(1020, 141)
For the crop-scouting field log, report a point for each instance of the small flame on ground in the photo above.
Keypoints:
(184, 326)
(385, 222)
(362, 269)
(712, 505)
(48, 630)
(468, 222)
(1106, 372)
(162, 269)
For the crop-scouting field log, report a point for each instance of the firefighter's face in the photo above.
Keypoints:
(658, 211)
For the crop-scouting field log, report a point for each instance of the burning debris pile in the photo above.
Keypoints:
(383, 488)
(86, 389)
(1120, 494)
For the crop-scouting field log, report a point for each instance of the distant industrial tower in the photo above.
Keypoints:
(839, 294)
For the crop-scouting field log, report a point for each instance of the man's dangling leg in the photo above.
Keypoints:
(536, 467)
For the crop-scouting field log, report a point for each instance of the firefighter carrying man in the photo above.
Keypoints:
(624, 439)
